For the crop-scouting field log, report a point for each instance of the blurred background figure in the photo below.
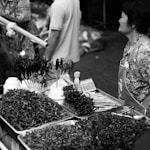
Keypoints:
(134, 70)
(18, 11)
(64, 26)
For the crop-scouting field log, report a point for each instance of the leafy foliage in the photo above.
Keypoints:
(27, 68)
(24, 109)
(40, 70)
(101, 131)
(82, 104)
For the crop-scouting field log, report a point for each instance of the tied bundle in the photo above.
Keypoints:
(32, 69)
(41, 71)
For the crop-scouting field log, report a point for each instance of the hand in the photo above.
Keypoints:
(9, 27)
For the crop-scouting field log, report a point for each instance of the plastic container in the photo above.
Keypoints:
(11, 83)
(56, 92)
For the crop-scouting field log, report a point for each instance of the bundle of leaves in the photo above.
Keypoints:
(80, 104)
(40, 70)
(115, 132)
(101, 131)
(58, 138)
(24, 109)
(25, 67)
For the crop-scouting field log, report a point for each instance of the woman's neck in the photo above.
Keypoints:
(133, 37)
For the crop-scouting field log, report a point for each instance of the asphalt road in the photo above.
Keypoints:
(102, 66)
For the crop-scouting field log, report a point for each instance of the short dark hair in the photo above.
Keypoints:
(138, 12)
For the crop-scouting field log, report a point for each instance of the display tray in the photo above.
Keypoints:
(36, 133)
(31, 113)
(102, 102)
(105, 102)
(15, 132)
(121, 102)
(10, 128)
(65, 122)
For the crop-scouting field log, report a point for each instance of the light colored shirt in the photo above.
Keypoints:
(65, 16)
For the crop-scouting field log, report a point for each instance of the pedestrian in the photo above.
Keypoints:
(64, 26)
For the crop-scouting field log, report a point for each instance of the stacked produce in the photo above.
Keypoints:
(79, 103)
(40, 70)
(24, 109)
(33, 69)
(101, 131)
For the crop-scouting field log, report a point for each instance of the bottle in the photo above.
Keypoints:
(77, 80)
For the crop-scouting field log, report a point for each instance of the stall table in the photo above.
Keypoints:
(10, 139)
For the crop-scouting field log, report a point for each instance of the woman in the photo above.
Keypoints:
(134, 69)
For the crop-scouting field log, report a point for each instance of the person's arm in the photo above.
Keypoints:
(52, 44)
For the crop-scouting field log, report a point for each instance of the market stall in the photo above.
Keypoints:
(48, 107)
(86, 118)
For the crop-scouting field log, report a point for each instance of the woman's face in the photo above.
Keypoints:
(124, 27)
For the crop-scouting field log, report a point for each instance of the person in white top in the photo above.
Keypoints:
(63, 39)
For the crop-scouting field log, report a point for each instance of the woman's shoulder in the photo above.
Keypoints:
(145, 43)
(143, 51)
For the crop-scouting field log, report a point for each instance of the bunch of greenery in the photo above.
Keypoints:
(78, 102)
(101, 131)
(24, 109)
(36, 68)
